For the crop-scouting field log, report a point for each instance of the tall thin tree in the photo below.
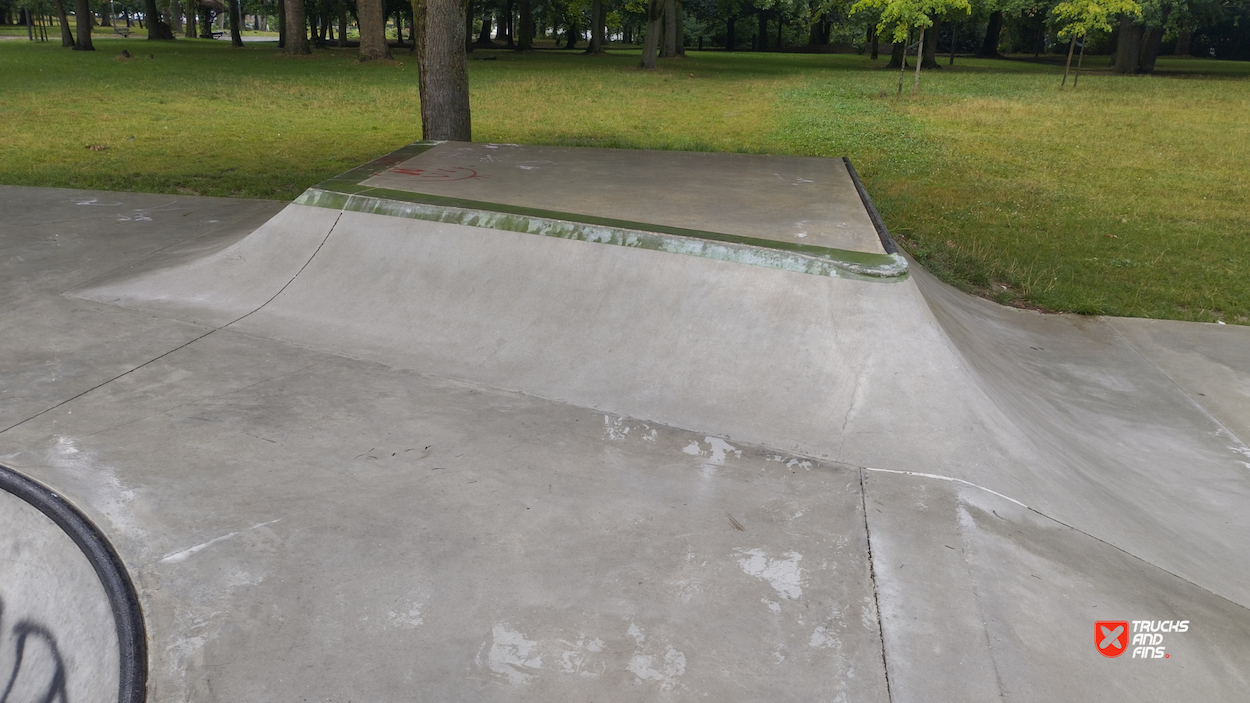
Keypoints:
(67, 37)
(651, 43)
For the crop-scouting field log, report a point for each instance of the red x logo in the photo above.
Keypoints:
(1111, 637)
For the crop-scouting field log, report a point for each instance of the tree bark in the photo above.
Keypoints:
(106, 17)
(670, 29)
(681, 28)
(1182, 42)
(525, 18)
(175, 14)
(898, 56)
(82, 17)
(67, 37)
(597, 30)
(954, 30)
(1066, 66)
(342, 24)
(442, 70)
(483, 37)
(157, 30)
(989, 47)
(874, 40)
(372, 30)
(296, 29)
(915, 89)
(651, 44)
(903, 69)
(929, 53)
(467, 15)
(236, 36)
(1128, 48)
(188, 29)
(1150, 43)
(282, 24)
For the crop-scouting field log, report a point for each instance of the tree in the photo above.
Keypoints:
(296, 39)
(157, 29)
(236, 36)
(525, 38)
(370, 14)
(651, 43)
(67, 37)
(442, 70)
(82, 18)
(1079, 17)
(903, 15)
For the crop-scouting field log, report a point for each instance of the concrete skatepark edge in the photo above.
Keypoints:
(469, 423)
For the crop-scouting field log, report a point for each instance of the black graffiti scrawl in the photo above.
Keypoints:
(38, 674)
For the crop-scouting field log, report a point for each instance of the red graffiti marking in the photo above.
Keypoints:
(455, 173)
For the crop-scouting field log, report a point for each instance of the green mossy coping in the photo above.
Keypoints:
(345, 192)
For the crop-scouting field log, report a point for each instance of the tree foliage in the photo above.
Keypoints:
(1076, 18)
(899, 17)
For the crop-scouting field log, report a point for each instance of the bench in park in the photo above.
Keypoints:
(124, 31)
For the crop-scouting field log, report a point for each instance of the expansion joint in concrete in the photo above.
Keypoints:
(872, 577)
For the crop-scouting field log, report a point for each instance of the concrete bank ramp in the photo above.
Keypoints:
(1019, 477)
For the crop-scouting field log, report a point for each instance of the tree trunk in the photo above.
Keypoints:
(175, 14)
(597, 30)
(989, 47)
(1151, 41)
(1066, 66)
(342, 24)
(206, 23)
(525, 17)
(903, 69)
(510, 39)
(282, 24)
(67, 37)
(442, 70)
(188, 30)
(1128, 48)
(929, 53)
(483, 37)
(681, 28)
(296, 31)
(670, 29)
(1182, 42)
(729, 33)
(572, 31)
(915, 88)
(157, 30)
(1076, 76)
(372, 30)
(106, 17)
(898, 56)
(875, 40)
(467, 15)
(236, 36)
(82, 17)
(954, 30)
(651, 44)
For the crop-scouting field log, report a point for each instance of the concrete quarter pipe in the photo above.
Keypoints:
(494, 422)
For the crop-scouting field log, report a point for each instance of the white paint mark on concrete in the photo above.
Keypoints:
(187, 553)
(823, 639)
(407, 617)
(512, 656)
(692, 449)
(948, 478)
(719, 449)
(772, 605)
(778, 657)
(615, 429)
(573, 661)
(784, 575)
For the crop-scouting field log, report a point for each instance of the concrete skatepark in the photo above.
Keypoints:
(489, 422)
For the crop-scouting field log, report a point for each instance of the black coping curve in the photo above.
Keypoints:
(127, 615)
(886, 240)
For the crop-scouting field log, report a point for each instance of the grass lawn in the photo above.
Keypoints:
(1127, 196)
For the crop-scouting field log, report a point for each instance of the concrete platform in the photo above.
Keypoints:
(352, 455)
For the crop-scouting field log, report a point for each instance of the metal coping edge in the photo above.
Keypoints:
(887, 241)
(870, 266)
(127, 614)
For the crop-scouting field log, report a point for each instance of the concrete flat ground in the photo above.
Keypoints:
(345, 455)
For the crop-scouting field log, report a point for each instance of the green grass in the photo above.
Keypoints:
(1127, 196)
